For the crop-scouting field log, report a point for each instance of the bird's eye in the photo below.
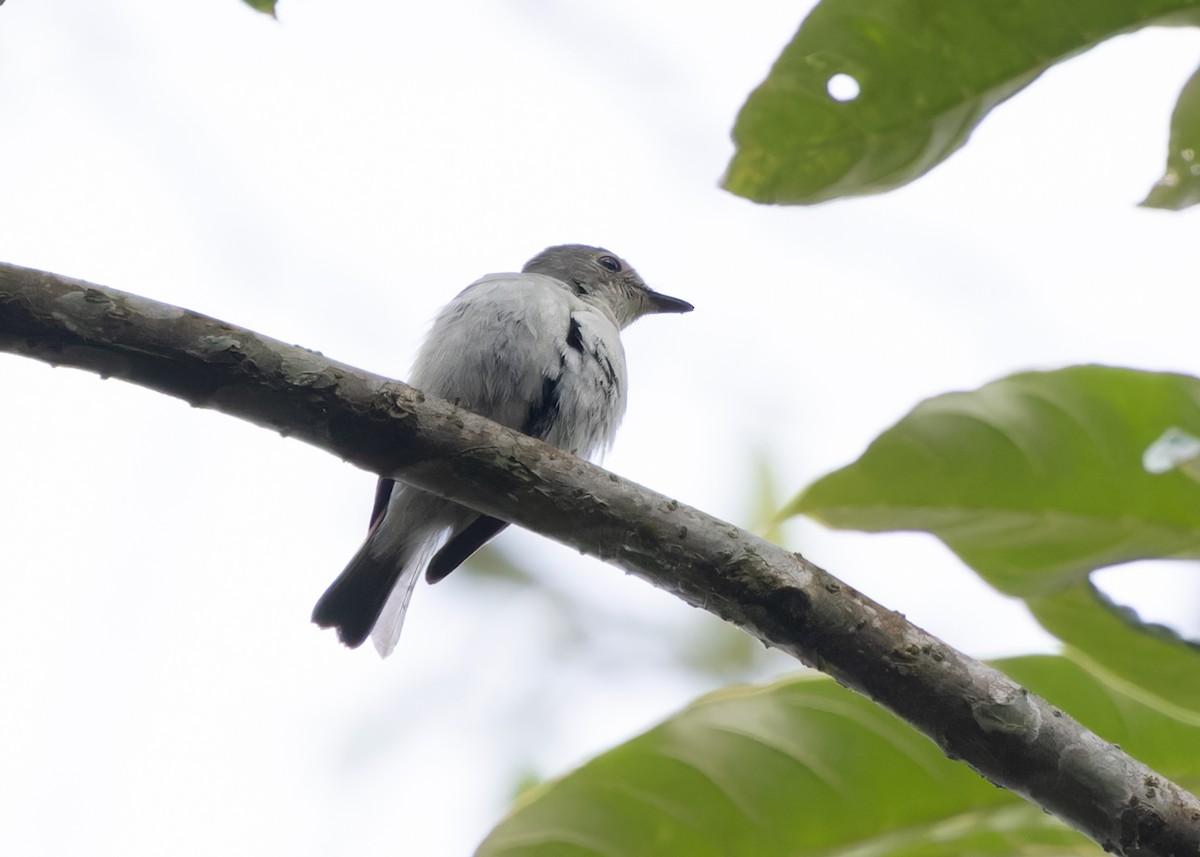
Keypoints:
(610, 263)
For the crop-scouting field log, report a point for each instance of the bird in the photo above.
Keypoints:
(538, 351)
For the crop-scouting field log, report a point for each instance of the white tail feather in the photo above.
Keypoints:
(386, 632)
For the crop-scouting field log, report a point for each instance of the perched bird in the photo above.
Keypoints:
(539, 352)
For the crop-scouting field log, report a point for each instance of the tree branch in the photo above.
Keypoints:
(973, 712)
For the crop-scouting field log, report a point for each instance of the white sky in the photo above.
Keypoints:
(330, 180)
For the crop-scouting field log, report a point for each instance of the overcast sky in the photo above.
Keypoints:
(331, 179)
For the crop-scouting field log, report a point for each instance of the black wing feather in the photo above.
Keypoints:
(460, 547)
(383, 493)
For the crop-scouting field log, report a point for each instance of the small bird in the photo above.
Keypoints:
(539, 352)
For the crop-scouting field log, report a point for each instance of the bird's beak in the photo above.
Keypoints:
(657, 302)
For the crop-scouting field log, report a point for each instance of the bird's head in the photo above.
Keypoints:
(605, 280)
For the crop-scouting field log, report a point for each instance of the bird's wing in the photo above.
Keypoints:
(589, 390)
(461, 545)
(495, 348)
(526, 351)
(383, 493)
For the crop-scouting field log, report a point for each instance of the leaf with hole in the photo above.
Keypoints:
(871, 94)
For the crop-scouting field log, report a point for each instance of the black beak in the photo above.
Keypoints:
(665, 303)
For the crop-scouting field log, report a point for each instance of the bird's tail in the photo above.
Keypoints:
(370, 596)
(356, 600)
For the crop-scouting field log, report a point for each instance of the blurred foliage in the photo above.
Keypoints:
(1035, 481)
(765, 500)
(1180, 185)
(805, 767)
(266, 6)
(927, 72)
(709, 649)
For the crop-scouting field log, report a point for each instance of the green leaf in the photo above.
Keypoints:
(1167, 743)
(805, 767)
(265, 6)
(1035, 481)
(1180, 185)
(928, 70)
(1149, 659)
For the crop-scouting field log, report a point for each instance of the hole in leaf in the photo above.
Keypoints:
(1156, 592)
(1175, 449)
(842, 87)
